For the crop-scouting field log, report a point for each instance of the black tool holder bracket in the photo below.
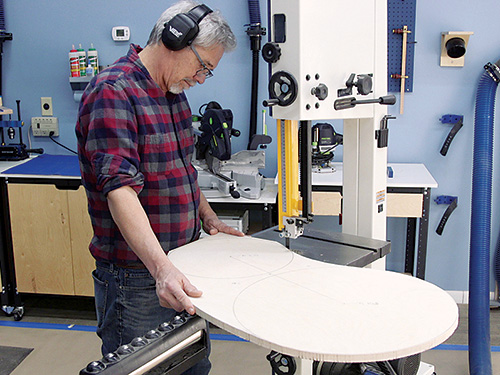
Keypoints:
(457, 121)
(452, 203)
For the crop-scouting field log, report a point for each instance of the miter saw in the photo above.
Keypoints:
(236, 175)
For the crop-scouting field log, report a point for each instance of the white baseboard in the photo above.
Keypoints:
(462, 296)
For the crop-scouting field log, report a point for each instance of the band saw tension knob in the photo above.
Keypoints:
(271, 52)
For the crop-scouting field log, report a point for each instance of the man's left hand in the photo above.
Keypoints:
(213, 225)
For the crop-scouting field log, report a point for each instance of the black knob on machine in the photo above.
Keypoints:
(234, 193)
(320, 91)
(271, 52)
(364, 84)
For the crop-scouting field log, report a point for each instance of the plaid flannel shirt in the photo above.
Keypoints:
(131, 134)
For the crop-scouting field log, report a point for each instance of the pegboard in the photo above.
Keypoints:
(399, 14)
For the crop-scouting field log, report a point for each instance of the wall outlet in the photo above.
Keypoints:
(46, 106)
(43, 126)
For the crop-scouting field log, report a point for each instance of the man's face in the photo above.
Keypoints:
(190, 70)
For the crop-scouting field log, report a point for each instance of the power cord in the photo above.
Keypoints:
(60, 144)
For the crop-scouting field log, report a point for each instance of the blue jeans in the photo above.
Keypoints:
(127, 307)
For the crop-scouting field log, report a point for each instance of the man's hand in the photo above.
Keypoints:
(213, 225)
(173, 289)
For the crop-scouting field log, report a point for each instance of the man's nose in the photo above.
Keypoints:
(200, 78)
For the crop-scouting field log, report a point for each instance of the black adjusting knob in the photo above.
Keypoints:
(364, 84)
(271, 52)
(320, 91)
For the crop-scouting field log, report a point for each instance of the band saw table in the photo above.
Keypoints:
(321, 244)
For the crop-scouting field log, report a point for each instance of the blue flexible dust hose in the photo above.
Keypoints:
(2, 17)
(254, 10)
(479, 265)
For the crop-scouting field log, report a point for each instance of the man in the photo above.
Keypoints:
(135, 144)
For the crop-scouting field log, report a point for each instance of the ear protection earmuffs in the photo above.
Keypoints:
(181, 30)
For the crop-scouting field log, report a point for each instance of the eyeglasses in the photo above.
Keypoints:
(206, 71)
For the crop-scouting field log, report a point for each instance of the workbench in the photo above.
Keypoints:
(45, 228)
(408, 196)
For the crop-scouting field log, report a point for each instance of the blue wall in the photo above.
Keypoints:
(35, 64)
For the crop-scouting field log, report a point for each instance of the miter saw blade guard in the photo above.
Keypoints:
(216, 131)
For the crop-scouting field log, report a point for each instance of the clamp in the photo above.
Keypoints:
(452, 203)
(457, 121)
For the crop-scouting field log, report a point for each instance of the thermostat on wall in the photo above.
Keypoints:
(120, 33)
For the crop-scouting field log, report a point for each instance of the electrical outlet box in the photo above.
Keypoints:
(43, 126)
(46, 103)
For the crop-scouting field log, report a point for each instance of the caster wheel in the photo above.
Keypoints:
(18, 313)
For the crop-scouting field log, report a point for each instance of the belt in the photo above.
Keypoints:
(132, 266)
(111, 266)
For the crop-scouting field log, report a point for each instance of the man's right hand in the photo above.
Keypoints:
(173, 289)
